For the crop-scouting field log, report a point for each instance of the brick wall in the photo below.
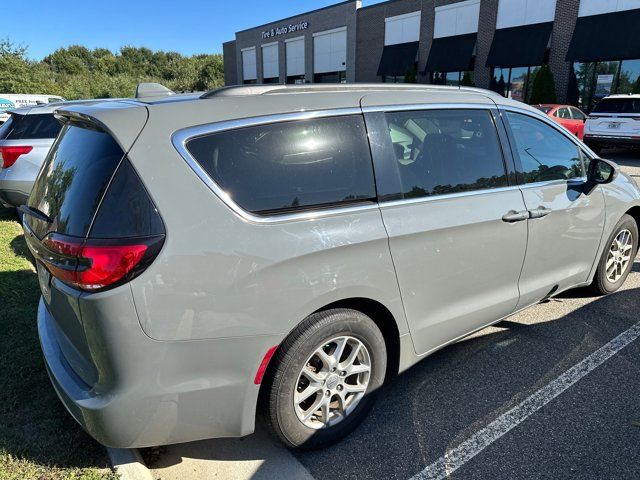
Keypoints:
(229, 58)
(565, 22)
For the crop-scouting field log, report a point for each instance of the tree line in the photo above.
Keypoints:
(77, 72)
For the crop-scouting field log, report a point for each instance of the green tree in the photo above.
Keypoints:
(544, 87)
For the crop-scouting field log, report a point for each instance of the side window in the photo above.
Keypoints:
(577, 114)
(545, 154)
(445, 151)
(563, 113)
(289, 166)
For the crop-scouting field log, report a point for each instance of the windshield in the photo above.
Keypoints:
(618, 105)
(27, 127)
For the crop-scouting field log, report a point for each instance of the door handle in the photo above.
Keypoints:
(513, 216)
(540, 212)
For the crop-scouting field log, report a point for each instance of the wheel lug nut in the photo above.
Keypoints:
(339, 388)
(343, 373)
(327, 393)
(333, 369)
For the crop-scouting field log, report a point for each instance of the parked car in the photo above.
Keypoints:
(286, 250)
(615, 121)
(571, 118)
(9, 101)
(25, 140)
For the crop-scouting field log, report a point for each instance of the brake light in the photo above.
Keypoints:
(96, 264)
(9, 155)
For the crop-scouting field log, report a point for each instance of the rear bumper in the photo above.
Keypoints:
(13, 193)
(610, 141)
(160, 393)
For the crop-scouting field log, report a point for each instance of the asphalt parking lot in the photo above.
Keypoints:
(535, 396)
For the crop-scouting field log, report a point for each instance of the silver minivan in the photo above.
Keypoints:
(285, 250)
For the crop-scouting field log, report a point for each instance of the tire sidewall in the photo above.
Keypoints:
(626, 223)
(337, 323)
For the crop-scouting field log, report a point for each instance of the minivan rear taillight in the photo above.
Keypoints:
(94, 264)
(9, 155)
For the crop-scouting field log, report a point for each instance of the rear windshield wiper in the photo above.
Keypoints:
(34, 212)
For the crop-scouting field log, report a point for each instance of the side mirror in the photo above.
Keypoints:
(600, 172)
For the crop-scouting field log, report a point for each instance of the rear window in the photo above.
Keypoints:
(618, 105)
(27, 127)
(290, 166)
(73, 179)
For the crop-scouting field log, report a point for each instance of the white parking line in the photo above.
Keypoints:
(458, 456)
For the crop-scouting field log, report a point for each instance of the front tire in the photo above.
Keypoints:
(324, 378)
(617, 259)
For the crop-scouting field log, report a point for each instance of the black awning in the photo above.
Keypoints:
(398, 59)
(523, 46)
(452, 54)
(611, 36)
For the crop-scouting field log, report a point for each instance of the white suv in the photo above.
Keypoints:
(615, 121)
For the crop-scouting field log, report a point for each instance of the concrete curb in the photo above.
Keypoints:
(128, 464)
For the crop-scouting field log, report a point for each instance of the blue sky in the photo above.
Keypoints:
(185, 26)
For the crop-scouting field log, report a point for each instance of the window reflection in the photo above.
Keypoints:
(545, 154)
(439, 152)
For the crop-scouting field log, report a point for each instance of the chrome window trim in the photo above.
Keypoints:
(446, 196)
(181, 137)
(428, 106)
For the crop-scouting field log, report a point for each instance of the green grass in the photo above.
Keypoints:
(38, 438)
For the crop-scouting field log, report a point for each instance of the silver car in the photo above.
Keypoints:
(285, 250)
(25, 140)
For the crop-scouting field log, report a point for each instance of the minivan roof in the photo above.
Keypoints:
(233, 103)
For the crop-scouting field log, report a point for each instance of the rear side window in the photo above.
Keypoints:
(544, 153)
(28, 127)
(290, 166)
(73, 180)
(618, 105)
(439, 152)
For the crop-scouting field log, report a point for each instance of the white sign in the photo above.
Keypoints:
(603, 86)
(293, 27)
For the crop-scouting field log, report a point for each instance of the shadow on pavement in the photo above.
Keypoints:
(443, 400)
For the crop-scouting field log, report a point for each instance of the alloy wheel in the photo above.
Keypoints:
(332, 382)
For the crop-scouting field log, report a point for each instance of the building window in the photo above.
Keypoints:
(596, 80)
(296, 79)
(330, 77)
(515, 82)
(393, 79)
(454, 79)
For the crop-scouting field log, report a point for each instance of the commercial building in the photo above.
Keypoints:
(591, 46)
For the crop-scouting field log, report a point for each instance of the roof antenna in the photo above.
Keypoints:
(152, 89)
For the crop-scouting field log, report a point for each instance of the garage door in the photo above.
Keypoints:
(330, 51)
(295, 57)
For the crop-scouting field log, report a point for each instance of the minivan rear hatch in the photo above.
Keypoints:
(89, 223)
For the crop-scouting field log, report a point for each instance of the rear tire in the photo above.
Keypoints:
(341, 389)
(612, 271)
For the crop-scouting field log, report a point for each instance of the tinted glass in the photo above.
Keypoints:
(439, 152)
(26, 127)
(577, 114)
(545, 154)
(126, 210)
(563, 113)
(618, 105)
(73, 180)
(291, 165)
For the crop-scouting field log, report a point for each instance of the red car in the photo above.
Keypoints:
(569, 117)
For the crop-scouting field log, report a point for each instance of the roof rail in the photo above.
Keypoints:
(250, 90)
(152, 89)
